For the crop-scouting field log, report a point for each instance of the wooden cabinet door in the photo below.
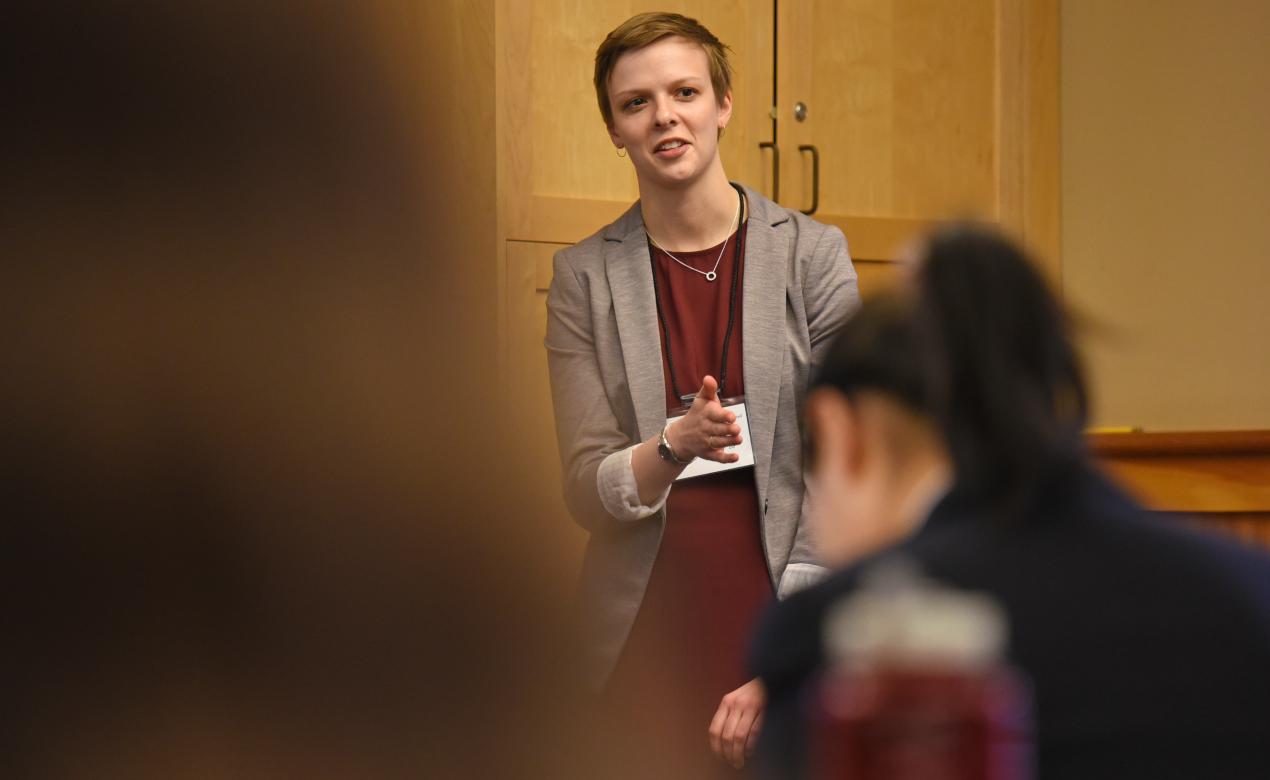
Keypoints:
(561, 179)
(920, 110)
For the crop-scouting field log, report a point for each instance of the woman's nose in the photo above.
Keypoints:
(665, 114)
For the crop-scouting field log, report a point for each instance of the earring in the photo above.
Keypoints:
(621, 151)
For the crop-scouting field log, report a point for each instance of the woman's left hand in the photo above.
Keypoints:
(734, 730)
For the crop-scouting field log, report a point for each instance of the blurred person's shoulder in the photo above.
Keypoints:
(1203, 561)
(789, 640)
(1180, 543)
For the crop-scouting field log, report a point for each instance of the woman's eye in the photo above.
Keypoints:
(687, 91)
(635, 103)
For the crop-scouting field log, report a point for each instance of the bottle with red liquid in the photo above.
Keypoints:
(916, 687)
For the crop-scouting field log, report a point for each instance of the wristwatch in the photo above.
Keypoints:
(667, 454)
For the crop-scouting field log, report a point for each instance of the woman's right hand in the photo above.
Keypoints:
(707, 430)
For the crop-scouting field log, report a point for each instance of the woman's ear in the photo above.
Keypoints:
(833, 426)
(725, 110)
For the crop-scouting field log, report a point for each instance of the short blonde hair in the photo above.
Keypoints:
(644, 29)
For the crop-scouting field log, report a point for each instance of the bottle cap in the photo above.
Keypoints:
(900, 617)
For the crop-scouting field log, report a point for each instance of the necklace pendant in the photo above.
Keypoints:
(711, 276)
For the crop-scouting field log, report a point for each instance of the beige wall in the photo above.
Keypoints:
(1166, 207)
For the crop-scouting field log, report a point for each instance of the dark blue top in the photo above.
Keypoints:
(1147, 643)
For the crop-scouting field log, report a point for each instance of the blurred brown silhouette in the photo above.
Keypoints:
(260, 511)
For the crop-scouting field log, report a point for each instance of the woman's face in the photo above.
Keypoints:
(847, 481)
(665, 112)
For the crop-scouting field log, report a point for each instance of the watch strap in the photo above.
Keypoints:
(667, 452)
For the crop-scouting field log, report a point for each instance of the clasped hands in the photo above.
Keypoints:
(707, 430)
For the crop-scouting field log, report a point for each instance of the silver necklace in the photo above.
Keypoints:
(712, 274)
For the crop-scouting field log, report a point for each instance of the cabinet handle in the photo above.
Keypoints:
(815, 177)
(776, 168)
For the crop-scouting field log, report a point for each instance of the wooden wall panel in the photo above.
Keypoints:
(1165, 189)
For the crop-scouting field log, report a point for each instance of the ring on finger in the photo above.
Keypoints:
(710, 442)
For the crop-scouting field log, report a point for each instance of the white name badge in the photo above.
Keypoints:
(700, 466)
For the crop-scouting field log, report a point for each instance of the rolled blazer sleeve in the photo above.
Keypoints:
(587, 431)
(619, 492)
(831, 295)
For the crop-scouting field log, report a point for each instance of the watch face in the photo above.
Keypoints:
(664, 450)
(666, 453)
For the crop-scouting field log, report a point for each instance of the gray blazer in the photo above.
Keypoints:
(604, 355)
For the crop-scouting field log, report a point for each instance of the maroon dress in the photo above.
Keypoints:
(710, 581)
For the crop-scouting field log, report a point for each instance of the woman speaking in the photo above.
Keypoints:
(680, 341)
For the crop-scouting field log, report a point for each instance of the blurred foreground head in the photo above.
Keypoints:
(244, 347)
(965, 374)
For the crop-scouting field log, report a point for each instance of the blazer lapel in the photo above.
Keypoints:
(630, 277)
(767, 249)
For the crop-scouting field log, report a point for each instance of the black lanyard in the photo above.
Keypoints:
(727, 336)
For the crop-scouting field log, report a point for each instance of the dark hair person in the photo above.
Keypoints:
(954, 411)
(702, 292)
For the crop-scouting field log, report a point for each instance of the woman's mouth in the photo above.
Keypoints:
(669, 150)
